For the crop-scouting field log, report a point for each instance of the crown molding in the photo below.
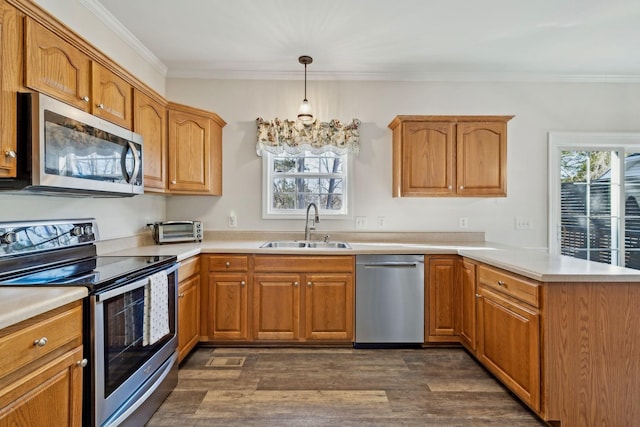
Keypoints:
(127, 36)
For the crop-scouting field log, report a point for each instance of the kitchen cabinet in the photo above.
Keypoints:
(467, 304)
(509, 332)
(227, 298)
(195, 151)
(10, 83)
(307, 298)
(150, 121)
(441, 299)
(449, 156)
(41, 366)
(188, 306)
(57, 68)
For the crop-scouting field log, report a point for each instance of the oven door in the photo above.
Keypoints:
(133, 338)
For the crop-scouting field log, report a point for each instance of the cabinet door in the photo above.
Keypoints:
(48, 396)
(427, 159)
(329, 307)
(509, 344)
(55, 67)
(276, 306)
(188, 315)
(149, 120)
(228, 306)
(10, 84)
(467, 304)
(112, 97)
(189, 152)
(481, 158)
(441, 279)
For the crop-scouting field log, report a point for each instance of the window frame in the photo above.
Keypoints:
(267, 190)
(622, 142)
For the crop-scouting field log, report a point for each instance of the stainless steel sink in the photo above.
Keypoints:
(290, 244)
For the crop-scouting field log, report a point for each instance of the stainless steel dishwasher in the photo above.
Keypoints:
(389, 300)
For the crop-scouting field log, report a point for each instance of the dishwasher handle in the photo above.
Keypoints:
(392, 265)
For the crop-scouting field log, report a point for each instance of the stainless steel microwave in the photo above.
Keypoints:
(62, 150)
(176, 231)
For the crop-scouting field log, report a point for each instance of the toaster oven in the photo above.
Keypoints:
(177, 231)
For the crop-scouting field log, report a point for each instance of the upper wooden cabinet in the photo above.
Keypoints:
(10, 83)
(149, 120)
(62, 71)
(195, 151)
(449, 156)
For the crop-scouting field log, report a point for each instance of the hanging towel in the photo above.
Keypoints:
(156, 308)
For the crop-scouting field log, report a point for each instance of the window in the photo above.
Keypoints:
(291, 182)
(595, 191)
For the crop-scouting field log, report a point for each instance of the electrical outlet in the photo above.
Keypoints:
(361, 222)
(524, 223)
(233, 219)
(463, 222)
(381, 222)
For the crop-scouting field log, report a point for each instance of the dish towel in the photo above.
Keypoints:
(156, 308)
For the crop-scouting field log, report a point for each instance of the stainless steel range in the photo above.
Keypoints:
(130, 316)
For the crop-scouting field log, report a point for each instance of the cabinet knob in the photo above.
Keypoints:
(173, 182)
(100, 106)
(450, 187)
(501, 283)
(82, 363)
(227, 264)
(10, 153)
(243, 283)
(181, 295)
(478, 296)
(462, 187)
(41, 342)
(85, 99)
(309, 283)
(296, 284)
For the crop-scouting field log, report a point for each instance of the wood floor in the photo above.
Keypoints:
(338, 387)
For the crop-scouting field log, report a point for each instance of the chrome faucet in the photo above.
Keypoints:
(307, 228)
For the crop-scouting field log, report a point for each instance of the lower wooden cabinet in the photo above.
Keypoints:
(466, 317)
(276, 306)
(42, 385)
(188, 306)
(441, 299)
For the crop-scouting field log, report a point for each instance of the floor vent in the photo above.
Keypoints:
(226, 362)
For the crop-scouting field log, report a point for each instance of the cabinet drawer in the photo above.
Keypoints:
(228, 262)
(188, 268)
(516, 287)
(20, 347)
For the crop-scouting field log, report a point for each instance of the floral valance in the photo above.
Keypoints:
(294, 137)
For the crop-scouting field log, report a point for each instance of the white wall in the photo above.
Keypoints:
(538, 108)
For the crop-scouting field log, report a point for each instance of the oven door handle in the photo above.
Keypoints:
(131, 286)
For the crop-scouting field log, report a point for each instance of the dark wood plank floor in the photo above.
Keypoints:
(338, 387)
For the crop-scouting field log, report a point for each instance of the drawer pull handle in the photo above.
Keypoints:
(227, 264)
(501, 283)
(41, 342)
(82, 363)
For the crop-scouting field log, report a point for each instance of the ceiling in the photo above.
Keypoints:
(565, 40)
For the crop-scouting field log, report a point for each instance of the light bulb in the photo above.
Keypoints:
(305, 114)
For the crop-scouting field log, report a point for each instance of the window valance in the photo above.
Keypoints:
(294, 137)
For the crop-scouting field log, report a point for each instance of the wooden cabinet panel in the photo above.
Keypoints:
(112, 97)
(329, 306)
(509, 344)
(441, 297)
(55, 67)
(449, 155)
(188, 315)
(276, 306)
(467, 304)
(514, 286)
(195, 151)
(149, 120)
(10, 84)
(228, 263)
(482, 158)
(228, 306)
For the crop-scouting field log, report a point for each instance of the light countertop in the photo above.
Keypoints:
(535, 264)
(21, 303)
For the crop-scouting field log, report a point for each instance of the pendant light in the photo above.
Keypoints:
(305, 115)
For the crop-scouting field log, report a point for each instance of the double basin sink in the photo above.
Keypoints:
(308, 244)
